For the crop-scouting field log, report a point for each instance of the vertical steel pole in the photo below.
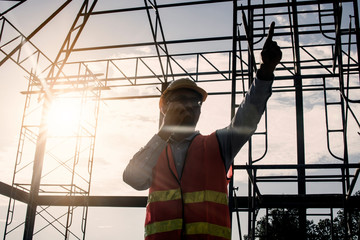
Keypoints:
(299, 118)
(345, 171)
(37, 170)
(251, 70)
(68, 44)
(233, 98)
(357, 29)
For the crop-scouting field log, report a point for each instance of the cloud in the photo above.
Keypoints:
(105, 227)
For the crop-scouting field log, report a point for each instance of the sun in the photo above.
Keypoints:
(64, 117)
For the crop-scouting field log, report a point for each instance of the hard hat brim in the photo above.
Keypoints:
(183, 83)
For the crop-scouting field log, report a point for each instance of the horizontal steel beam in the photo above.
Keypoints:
(93, 201)
(142, 44)
(305, 201)
(14, 193)
(265, 201)
(169, 5)
(286, 4)
(299, 166)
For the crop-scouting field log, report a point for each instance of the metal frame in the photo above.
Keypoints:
(9, 8)
(78, 79)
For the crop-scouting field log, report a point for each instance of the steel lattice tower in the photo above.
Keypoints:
(327, 68)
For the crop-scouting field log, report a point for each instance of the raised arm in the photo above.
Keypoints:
(270, 56)
(249, 113)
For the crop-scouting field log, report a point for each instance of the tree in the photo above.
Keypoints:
(281, 224)
(338, 227)
(324, 227)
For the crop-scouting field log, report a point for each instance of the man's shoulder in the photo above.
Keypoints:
(209, 137)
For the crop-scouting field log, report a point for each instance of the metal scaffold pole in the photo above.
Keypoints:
(302, 159)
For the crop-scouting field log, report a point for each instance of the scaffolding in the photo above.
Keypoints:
(320, 45)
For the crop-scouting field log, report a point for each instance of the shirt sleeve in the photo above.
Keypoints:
(245, 121)
(138, 172)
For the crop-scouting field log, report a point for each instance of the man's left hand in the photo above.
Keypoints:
(270, 54)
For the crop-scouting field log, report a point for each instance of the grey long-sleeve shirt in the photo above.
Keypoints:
(138, 172)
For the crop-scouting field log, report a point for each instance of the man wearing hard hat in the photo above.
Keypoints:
(186, 171)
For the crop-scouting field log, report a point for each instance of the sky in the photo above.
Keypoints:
(125, 126)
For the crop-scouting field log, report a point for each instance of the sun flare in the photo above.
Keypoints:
(64, 117)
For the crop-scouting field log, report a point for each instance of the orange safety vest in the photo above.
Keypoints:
(194, 207)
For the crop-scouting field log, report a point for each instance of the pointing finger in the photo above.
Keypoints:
(270, 34)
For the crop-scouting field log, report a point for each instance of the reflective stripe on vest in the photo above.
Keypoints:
(190, 228)
(159, 196)
(206, 196)
(190, 197)
(208, 228)
(163, 226)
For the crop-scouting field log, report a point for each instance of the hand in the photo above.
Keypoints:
(270, 55)
(174, 116)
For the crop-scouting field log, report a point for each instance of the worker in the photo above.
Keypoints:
(186, 171)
